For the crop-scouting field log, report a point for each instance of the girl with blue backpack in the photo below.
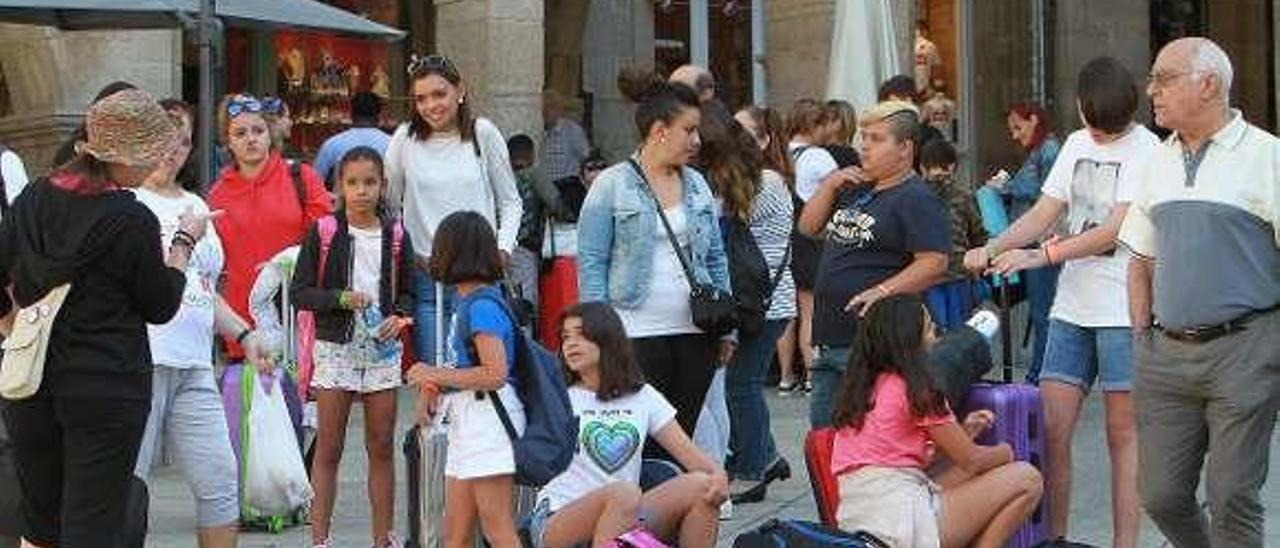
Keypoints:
(353, 273)
(598, 498)
(480, 357)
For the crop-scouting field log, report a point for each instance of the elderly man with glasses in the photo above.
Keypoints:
(1204, 286)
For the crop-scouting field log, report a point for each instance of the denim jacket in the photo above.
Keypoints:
(1024, 187)
(615, 237)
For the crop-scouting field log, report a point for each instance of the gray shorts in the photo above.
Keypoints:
(186, 410)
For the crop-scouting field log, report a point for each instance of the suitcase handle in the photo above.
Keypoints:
(1006, 350)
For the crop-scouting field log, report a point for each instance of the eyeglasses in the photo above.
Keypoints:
(1164, 79)
(273, 105)
(431, 63)
(241, 104)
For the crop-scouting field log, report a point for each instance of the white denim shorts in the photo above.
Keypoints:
(479, 445)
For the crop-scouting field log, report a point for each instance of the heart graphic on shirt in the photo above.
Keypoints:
(610, 446)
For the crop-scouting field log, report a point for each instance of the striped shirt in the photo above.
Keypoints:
(564, 149)
(772, 219)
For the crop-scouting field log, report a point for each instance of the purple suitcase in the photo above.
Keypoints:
(1019, 423)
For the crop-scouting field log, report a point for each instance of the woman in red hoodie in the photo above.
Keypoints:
(269, 202)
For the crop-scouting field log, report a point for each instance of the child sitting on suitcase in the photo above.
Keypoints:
(362, 301)
(889, 419)
(598, 498)
(480, 467)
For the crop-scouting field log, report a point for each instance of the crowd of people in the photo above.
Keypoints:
(844, 246)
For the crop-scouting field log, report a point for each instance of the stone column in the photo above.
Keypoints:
(619, 34)
(498, 47)
(52, 76)
(799, 38)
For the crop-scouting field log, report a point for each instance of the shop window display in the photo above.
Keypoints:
(318, 75)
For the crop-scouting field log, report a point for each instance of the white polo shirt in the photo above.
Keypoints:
(1210, 219)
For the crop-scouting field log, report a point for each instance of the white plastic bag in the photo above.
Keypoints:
(275, 479)
(711, 434)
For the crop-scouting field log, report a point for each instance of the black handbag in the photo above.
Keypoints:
(714, 311)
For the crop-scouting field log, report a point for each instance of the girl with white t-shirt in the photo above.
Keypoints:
(809, 127)
(186, 408)
(598, 498)
(361, 293)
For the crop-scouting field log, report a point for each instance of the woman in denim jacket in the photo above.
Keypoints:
(625, 257)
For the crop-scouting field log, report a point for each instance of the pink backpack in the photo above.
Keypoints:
(638, 537)
(305, 324)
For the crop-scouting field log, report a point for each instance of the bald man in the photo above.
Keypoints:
(698, 78)
(1204, 287)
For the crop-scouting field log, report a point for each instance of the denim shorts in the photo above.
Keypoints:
(1078, 356)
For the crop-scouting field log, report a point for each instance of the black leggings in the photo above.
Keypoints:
(681, 368)
(75, 459)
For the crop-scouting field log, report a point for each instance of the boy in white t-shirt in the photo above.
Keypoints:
(598, 498)
(1092, 182)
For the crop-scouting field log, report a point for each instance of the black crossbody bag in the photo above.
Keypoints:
(714, 311)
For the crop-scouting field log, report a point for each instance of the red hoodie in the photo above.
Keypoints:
(263, 217)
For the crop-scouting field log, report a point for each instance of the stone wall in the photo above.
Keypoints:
(52, 76)
(1081, 35)
(498, 47)
(799, 48)
(619, 34)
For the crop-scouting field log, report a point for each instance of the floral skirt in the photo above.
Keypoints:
(357, 366)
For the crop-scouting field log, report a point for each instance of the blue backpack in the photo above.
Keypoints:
(550, 437)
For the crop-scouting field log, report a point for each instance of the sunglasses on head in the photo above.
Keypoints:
(241, 104)
(431, 63)
(273, 105)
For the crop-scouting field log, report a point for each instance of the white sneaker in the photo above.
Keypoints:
(985, 322)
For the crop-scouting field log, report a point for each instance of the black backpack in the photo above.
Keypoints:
(749, 275)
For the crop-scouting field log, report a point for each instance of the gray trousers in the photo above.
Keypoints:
(1217, 399)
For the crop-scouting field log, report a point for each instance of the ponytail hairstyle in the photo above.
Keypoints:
(662, 102)
(438, 65)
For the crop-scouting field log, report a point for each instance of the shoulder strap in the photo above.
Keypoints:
(464, 330)
(397, 246)
(475, 139)
(799, 151)
(671, 235)
(299, 188)
(326, 227)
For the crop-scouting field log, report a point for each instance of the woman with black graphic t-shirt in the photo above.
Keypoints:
(885, 233)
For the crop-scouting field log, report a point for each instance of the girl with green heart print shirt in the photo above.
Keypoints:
(598, 497)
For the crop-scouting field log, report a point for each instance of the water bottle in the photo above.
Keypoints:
(388, 350)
